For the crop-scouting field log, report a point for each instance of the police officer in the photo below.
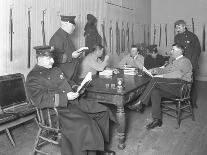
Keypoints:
(192, 48)
(62, 42)
(84, 125)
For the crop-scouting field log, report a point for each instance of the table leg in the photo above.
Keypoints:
(121, 127)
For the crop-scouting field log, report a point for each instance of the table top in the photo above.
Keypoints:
(108, 85)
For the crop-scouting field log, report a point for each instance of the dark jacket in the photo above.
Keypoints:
(62, 43)
(84, 125)
(92, 37)
(191, 45)
(150, 62)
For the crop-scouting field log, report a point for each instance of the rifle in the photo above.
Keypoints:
(127, 35)
(166, 34)
(204, 38)
(154, 34)
(160, 35)
(193, 26)
(144, 35)
(132, 34)
(11, 34)
(111, 38)
(117, 39)
(29, 38)
(148, 35)
(104, 36)
(43, 27)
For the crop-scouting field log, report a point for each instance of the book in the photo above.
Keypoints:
(85, 82)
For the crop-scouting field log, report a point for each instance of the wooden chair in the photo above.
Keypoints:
(180, 107)
(49, 131)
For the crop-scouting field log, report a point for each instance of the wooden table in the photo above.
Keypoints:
(104, 90)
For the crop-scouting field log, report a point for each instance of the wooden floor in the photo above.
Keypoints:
(189, 139)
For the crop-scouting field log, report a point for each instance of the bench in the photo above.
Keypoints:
(15, 107)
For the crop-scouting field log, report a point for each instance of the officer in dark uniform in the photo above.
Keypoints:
(192, 48)
(84, 126)
(62, 43)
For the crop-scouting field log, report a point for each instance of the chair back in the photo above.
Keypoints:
(48, 117)
(185, 91)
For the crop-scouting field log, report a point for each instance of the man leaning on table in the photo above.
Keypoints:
(166, 83)
(134, 59)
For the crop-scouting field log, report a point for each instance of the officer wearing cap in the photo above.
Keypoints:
(192, 48)
(91, 34)
(84, 125)
(62, 42)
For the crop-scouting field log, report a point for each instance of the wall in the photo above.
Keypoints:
(139, 15)
(168, 11)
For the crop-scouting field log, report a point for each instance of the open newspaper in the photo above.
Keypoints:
(147, 71)
(85, 82)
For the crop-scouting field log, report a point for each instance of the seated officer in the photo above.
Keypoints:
(153, 59)
(134, 59)
(167, 83)
(84, 126)
(92, 62)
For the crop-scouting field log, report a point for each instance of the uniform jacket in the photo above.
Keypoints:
(42, 84)
(191, 45)
(62, 43)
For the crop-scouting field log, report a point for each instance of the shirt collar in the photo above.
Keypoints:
(179, 57)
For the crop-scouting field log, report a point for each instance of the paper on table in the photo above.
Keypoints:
(147, 71)
(85, 82)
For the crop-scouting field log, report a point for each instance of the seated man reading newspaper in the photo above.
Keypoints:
(166, 82)
(84, 125)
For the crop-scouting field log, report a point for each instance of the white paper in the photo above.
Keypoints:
(86, 80)
(147, 71)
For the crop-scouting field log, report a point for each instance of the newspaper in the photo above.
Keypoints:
(85, 82)
(147, 71)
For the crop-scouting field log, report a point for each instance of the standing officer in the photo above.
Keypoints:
(192, 48)
(63, 44)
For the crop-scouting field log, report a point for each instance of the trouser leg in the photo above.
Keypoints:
(155, 100)
(102, 119)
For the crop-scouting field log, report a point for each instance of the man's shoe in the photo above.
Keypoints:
(154, 123)
(106, 152)
(139, 107)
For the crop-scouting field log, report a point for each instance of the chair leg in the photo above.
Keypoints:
(10, 137)
(178, 114)
(191, 110)
(37, 141)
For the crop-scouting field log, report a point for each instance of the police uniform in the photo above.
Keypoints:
(63, 43)
(192, 47)
(84, 126)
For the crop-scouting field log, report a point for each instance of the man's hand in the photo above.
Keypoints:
(106, 58)
(153, 71)
(78, 52)
(72, 95)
